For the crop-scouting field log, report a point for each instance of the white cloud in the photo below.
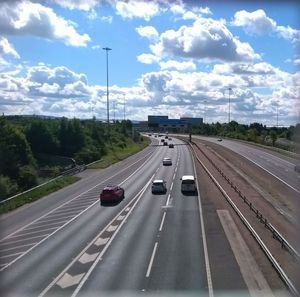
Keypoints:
(137, 9)
(206, 39)
(181, 66)
(85, 5)
(257, 22)
(289, 33)
(148, 32)
(27, 18)
(147, 58)
(7, 49)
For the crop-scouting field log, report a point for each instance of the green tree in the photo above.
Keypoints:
(7, 187)
(273, 136)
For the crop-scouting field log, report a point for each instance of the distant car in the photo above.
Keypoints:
(162, 140)
(165, 143)
(159, 187)
(220, 139)
(167, 161)
(188, 184)
(170, 138)
(171, 145)
(297, 168)
(112, 194)
(166, 137)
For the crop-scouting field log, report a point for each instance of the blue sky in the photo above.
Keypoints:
(175, 58)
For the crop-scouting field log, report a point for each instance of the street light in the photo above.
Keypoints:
(107, 93)
(229, 90)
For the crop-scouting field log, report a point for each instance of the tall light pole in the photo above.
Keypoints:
(107, 93)
(204, 112)
(124, 106)
(229, 90)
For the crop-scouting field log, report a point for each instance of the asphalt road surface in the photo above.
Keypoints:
(68, 244)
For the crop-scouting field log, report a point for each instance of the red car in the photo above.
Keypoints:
(112, 194)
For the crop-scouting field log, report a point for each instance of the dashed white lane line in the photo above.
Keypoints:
(171, 186)
(162, 222)
(151, 260)
(167, 203)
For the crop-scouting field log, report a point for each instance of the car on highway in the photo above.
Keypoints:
(159, 186)
(188, 184)
(167, 161)
(171, 145)
(219, 139)
(112, 194)
(165, 143)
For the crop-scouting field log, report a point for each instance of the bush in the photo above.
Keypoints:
(7, 187)
(27, 177)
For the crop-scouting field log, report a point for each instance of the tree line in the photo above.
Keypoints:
(27, 143)
(254, 132)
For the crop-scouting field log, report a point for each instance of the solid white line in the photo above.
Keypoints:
(273, 175)
(47, 224)
(206, 258)
(162, 222)
(151, 260)
(10, 255)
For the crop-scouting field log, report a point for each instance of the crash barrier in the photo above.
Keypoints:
(267, 252)
(71, 171)
(259, 215)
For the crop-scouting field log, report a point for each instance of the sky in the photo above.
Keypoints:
(178, 58)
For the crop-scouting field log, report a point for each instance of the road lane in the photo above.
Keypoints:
(279, 167)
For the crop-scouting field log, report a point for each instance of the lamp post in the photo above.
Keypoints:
(124, 106)
(229, 90)
(107, 93)
(204, 112)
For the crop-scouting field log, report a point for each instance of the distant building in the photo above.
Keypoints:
(193, 121)
(163, 123)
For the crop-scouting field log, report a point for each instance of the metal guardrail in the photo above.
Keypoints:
(71, 171)
(269, 255)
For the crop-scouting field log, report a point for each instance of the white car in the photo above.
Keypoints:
(167, 161)
(159, 186)
(188, 184)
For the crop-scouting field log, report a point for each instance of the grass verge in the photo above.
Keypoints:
(37, 193)
(117, 154)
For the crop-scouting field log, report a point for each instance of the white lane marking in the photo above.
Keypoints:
(112, 228)
(120, 218)
(139, 196)
(81, 194)
(22, 240)
(171, 186)
(47, 236)
(10, 255)
(86, 258)
(33, 232)
(162, 222)
(17, 247)
(101, 241)
(273, 175)
(174, 175)
(206, 258)
(53, 220)
(151, 260)
(167, 203)
(43, 225)
(251, 273)
(127, 209)
(68, 280)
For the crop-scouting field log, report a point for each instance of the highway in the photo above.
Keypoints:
(280, 167)
(66, 244)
